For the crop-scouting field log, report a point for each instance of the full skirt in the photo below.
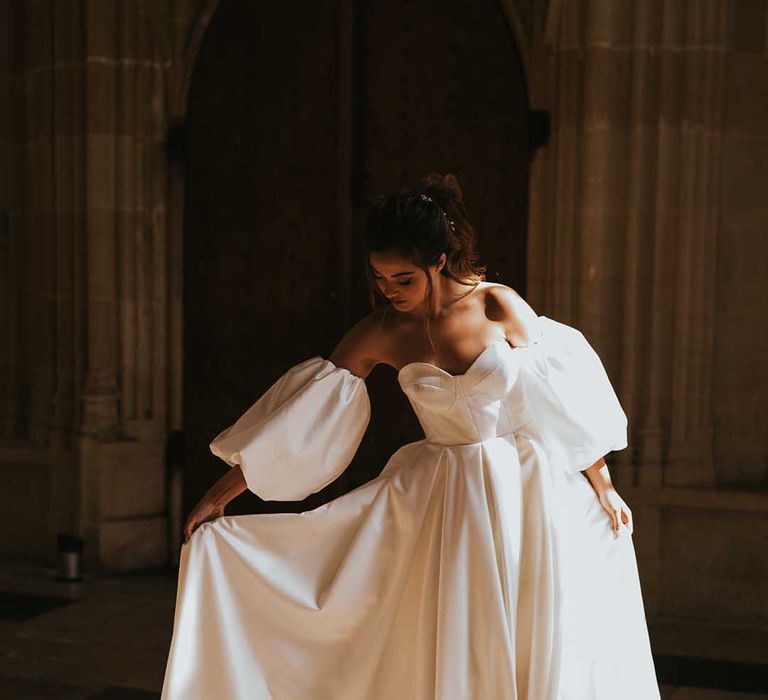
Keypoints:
(461, 572)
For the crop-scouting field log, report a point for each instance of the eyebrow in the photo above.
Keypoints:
(397, 274)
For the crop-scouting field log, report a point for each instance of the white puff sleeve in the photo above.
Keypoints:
(301, 433)
(568, 396)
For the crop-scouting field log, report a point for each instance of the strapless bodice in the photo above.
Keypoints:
(470, 407)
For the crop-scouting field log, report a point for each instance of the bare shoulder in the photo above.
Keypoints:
(359, 348)
(505, 306)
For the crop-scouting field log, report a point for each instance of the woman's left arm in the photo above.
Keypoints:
(609, 498)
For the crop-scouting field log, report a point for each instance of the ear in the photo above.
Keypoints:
(441, 261)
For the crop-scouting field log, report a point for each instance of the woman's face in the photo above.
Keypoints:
(400, 281)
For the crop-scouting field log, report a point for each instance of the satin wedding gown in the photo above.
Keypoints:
(478, 565)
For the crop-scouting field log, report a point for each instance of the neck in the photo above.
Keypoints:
(445, 292)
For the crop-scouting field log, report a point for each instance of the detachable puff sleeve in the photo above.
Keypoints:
(301, 433)
(569, 397)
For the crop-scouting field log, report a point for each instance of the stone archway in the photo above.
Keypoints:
(93, 382)
(486, 147)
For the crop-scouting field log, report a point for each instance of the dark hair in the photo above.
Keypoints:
(421, 230)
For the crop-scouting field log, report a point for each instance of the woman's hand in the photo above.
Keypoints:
(211, 506)
(203, 512)
(617, 509)
(609, 499)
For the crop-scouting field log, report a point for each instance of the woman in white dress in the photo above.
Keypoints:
(491, 560)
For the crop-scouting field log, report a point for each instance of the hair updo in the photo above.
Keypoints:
(421, 230)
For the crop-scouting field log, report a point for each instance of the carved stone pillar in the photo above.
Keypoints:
(122, 469)
(84, 270)
(100, 394)
(625, 212)
(690, 460)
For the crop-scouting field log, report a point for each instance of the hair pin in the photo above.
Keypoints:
(427, 198)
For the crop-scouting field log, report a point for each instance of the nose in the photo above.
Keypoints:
(388, 294)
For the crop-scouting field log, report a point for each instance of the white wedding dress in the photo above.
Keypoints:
(479, 565)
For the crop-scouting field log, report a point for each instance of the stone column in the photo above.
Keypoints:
(122, 467)
(702, 28)
(84, 269)
(10, 270)
(625, 215)
(67, 189)
(101, 394)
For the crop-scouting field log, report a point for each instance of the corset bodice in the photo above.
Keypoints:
(469, 407)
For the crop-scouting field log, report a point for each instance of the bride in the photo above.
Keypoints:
(492, 559)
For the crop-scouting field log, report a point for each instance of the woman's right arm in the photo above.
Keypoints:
(357, 352)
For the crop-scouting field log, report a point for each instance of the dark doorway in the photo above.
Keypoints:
(444, 90)
(432, 90)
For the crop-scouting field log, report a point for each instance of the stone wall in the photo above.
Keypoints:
(646, 230)
(89, 88)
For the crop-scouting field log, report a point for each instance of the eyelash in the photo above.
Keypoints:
(402, 284)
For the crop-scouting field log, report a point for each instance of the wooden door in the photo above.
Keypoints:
(432, 89)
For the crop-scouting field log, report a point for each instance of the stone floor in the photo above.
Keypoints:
(107, 638)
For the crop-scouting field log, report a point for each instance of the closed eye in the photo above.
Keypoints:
(402, 284)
